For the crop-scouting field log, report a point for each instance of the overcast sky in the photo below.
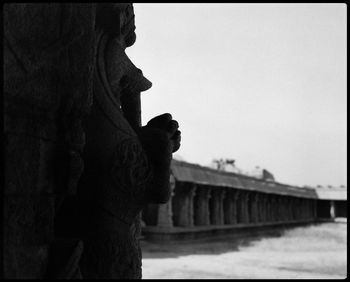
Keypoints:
(264, 84)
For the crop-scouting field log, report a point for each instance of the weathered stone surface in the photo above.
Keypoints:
(201, 205)
(230, 207)
(29, 165)
(216, 207)
(28, 262)
(22, 162)
(183, 204)
(28, 220)
(48, 63)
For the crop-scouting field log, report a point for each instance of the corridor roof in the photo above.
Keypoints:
(193, 173)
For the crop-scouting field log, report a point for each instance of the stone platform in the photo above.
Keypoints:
(168, 234)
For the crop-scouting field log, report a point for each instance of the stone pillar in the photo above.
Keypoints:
(315, 209)
(239, 197)
(268, 208)
(287, 203)
(253, 207)
(262, 217)
(290, 208)
(165, 212)
(272, 208)
(303, 209)
(242, 207)
(258, 207)
(235, 206)
(275, 208)
(280, 208)
(332, 209)
(283, 208)
(229, 207)
(201, 205)
(294, 208)
(289, 211)
(281, 211)
(190, 199)
(182, 204)
(216, 208)
(308, 208)
(300, 209)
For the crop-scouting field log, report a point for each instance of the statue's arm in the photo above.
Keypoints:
(160, 138)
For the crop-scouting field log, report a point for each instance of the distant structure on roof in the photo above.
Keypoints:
(222, 164)
(268, 176)
(230, 166)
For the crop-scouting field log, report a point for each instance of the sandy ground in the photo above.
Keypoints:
(312, 252)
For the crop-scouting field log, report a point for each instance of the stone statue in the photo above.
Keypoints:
(72, 96)
(126, 165)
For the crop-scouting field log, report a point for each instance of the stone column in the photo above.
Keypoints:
(190, 199)
(165, 212)
(235, 206)
(253, 208)
(271, 208)
(315, 209)
(266, 207)
(300, 209)
(303, 210)
(258, 207)
(262, 217)
(289, 211)
(238, 206)
(217, 210)
(245, 207)
(294, 208)
(276, 208)
(283, 208)
(182, 204)
(201, 205)
(332, 209)
(280, 208)
(307, 208)
(291, 208)
(229, 207)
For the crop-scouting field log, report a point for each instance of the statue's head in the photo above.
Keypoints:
(118, 19)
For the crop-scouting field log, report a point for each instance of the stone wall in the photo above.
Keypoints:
(48, 62)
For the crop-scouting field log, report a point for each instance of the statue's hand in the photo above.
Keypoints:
(169, 126)
(161, 137)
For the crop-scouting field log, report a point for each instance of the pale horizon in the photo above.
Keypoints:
(264, 84)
